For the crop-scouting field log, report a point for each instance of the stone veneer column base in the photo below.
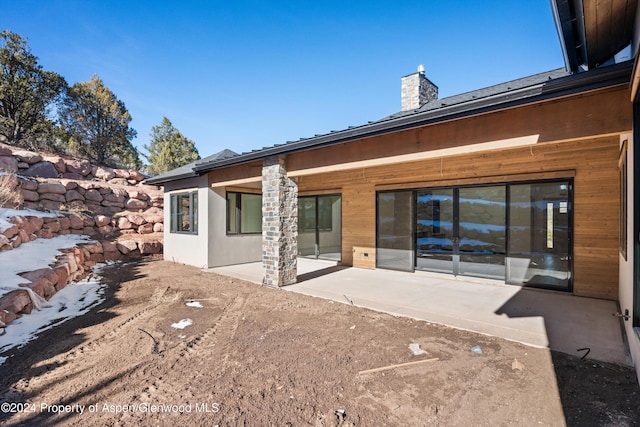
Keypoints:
(279, 224)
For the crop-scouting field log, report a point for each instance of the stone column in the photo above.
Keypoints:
(279, 224)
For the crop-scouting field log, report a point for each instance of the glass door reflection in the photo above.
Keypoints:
(481, 231)
(320, 227)
(435, 230)
(394, 245)
(540, 235)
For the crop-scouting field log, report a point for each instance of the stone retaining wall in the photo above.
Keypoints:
(29, 163)
(98, 209)
(74, 264)
(113, 198)
(126, 223)
(96, 197)
(112, 206)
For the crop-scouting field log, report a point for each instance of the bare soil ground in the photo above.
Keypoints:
(258, 356)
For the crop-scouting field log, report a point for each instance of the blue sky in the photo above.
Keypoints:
(248, 74)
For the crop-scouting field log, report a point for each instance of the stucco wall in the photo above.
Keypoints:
(228, 249)
(191, 249)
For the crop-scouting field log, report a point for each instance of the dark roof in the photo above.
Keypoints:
(187, 171)
(482, 95)
(535, 88)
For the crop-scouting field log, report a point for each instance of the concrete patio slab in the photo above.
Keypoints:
(534, 317)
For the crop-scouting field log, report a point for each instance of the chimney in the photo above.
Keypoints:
(417, 90)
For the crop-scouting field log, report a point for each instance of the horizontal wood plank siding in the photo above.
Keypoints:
(358, 219)
(591, 162)
(244, 172)
(594, 114)
(573, 137)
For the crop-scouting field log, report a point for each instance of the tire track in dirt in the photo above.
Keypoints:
(293, 361)
(95, 347)
(212, 344)
(111, 345)
(222, 331)
(91, 347)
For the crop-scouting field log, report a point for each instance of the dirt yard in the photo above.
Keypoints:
(258, 356)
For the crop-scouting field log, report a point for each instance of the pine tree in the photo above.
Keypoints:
(26, 94)
(169, 148)
(99, 123)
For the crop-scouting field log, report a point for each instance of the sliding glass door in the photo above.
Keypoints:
(481, 230)
(435, 233)
(519, 233)
(320, 227)
(540, 234)
(461, 231)
(394, 246)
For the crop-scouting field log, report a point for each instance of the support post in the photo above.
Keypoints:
(279, 224)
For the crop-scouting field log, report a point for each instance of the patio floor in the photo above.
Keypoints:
(557, 320)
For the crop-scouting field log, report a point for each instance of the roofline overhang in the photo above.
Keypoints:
(570, 85)
(162, 180)
(562, 19)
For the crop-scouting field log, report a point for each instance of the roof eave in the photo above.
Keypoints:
(600, 78)
(562, 19)
(162, 180)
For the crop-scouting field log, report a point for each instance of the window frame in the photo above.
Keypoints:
(238, 214)
(322, 214)
(175, 215)
(622, 173)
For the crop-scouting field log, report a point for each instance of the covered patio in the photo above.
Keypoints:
(540, 318)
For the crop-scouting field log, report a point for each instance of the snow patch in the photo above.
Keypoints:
(32, 256)
(72, 301)
(182, 324)
(6, 214)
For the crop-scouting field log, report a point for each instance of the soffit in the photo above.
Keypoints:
(593, 31)
(608, 28)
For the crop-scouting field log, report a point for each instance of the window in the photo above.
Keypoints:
(320, 226)
(622, 171)
(184, 212)
(244, 213)
(307, 214)
(519, 232)
(316, 212)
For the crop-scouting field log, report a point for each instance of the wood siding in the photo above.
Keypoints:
(592, 163)
(237, 175)
(583, 116)
(574, 137)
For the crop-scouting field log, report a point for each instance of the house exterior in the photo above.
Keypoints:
(529, 182)
(591, 33)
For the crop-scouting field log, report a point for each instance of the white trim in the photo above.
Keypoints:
(182, 190)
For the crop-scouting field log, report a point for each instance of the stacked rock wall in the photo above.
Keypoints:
(29, 163)
(120, 211)
(96, 197)
(123, 216)
(98, 201)
(74, 264)
(25, 228)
